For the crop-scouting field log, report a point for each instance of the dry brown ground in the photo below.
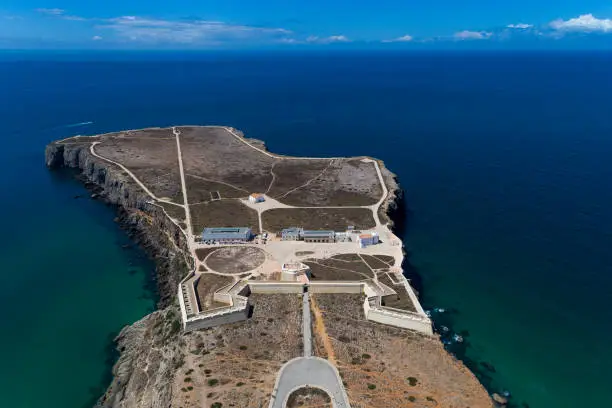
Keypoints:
(222, 213)
(151, 155)
(178, 213)
(345, 267)
(216, 155)
(384, 366)
(236, 259)
(202, 253)
(377, 263)
(337, 182)
(236, 364)
(214, 160)
(401, 300)
(336, 219)
(207, 285)
(201, 191)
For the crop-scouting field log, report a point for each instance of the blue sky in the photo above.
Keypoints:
(191, 24)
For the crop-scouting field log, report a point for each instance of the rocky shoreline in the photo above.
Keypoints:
(162, 240)
(152, 350)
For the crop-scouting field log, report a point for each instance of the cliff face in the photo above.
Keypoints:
(154, 356)
(150, 354)
(144, 222)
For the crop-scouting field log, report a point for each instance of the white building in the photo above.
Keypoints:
(367, 239)
(295, 272)
(256, 198)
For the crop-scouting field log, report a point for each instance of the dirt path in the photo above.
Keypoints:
(322, 332)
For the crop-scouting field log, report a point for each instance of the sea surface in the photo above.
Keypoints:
(504, 157)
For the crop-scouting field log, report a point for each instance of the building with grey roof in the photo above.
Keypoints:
(319, 236)
(291, 234)
(227, 235)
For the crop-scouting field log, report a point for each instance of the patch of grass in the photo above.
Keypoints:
(222, 213)
(336, 219)
(212, 382)
(371, 386)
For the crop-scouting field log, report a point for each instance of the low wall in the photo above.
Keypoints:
(231, 316)
(400, 320)
(276, 287)
(182, 301)
(336, 287)
(238, 308)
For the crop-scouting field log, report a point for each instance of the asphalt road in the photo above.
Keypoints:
(308, 371)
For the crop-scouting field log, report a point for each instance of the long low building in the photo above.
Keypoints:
(227, 234)
(319, 236)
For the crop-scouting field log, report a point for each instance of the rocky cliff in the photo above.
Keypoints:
(160, 367)
(144, 222)
(150, 354)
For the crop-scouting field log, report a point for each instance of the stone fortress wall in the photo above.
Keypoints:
(238, 305)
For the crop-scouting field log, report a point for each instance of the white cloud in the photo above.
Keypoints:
(404, 38)
(96, 38)
(585, 22)
(51, 11)
(520, 26)
(186, 31)
(327, 40)
(472, 35)
(193, 31)
(57, 12)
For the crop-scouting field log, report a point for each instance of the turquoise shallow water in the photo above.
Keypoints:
(67, 288)
(504, 158)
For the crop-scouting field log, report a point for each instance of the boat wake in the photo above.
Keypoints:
(78, 124)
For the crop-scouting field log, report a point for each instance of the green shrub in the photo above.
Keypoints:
(189, 371)
(243, 347)
(371, 387)
(212, 382)
(240, 384)
(412, 381)
(366, 356)
(216, 405)
(412, 398)
(187, 379)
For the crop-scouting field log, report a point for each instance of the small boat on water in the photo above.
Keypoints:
(458, 338)
(444, 329)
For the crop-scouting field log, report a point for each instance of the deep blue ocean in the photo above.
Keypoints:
(504, 158)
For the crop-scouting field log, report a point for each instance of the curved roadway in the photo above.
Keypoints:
(308, 371)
